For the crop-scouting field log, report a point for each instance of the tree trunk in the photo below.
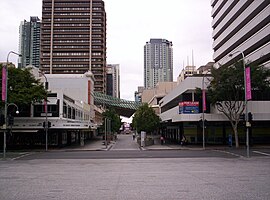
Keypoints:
(236, 136)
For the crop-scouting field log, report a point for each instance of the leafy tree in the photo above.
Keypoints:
(145, 119)
(23, 88)
(226, 90)
(114, 117)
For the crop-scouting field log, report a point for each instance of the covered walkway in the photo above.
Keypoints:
(122, 107)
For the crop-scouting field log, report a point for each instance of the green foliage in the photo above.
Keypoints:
(23, 88)
(145, 119)
(227, 91)
(228, 82)
(115, 119)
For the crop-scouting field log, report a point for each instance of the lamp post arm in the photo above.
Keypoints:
(12, 104)
(46, 83)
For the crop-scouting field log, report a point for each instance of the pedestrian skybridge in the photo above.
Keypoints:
(122, 107)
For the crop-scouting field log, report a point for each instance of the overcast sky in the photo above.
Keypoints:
(130, 24)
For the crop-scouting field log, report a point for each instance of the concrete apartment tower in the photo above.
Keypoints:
(29, 42)
(241, 27)
(158, 62)
(113, 80)
(73, 39)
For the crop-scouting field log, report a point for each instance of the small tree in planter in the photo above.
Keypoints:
(145, 119)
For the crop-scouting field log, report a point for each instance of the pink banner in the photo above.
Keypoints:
(204, 100)
(248, 84)
(4, 82)
(45, 105)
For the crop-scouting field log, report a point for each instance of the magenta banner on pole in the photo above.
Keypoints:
(45, 105)
(204, 100)
(248, 84)
(4, 82)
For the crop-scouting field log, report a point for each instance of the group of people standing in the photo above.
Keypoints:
(183, 140)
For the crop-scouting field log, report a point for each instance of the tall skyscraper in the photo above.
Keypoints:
(158, 62)
(113, 80)
(73, 38)
(241, 27)
(29, 42)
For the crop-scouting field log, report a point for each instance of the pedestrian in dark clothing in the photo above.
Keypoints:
(161, 140)
(184, 140)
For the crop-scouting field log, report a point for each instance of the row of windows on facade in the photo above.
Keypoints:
(72, 46)
(159, 56)
(72, 8)
(72, 41)
(72, 36)
(76, 66)
(72, 54)
(71, 60)
(71, 19)
(71, 30)
(74, 4)
(73, 25)
(67, 66)
(73, 113)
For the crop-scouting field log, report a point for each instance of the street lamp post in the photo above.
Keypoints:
(203, 117)
(4, 97)
(46, 112)
(246, 102)
(17, 112)
(203, 107)
(106, 144)
(107, 130)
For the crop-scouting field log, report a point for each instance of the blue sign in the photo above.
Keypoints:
(188, 107)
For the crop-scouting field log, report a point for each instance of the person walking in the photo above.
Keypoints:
(184, 140)
(161, 140)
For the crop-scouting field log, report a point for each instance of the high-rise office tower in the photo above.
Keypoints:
(113, 80)
(241, 27)
(29, 42)
(158, 62)
(73, 38)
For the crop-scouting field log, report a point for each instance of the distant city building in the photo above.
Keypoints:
(138, 94)
(29, 42)
(73, 39)
(189, 71)
(113, 80)
(205, 69)
(153, 96)
(241, 27)
(186, 72)
(158, 62)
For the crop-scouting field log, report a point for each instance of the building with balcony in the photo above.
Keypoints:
(241, 26)
(73, 39)
(158, 62)
(29, 42)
